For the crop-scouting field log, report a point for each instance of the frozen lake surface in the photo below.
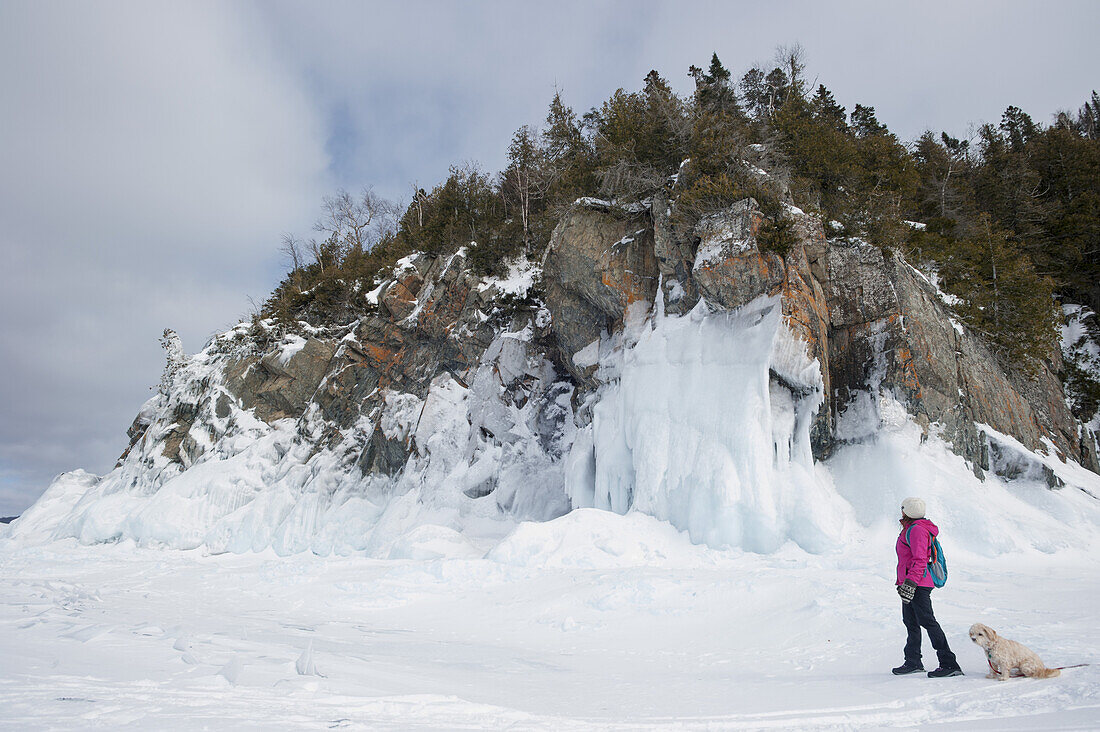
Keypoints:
(592, 621)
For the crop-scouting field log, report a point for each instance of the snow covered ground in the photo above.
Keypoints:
(590, 621)
(269, 587)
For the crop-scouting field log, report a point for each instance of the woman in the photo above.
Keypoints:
(915, 587)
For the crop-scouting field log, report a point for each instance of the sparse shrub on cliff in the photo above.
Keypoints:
(1000, 293)
(777, 235)
(709, 194)
(1082, 390)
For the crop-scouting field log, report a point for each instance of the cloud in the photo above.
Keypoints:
(151, 156)
(412, 87)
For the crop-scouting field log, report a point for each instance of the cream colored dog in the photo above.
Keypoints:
(1005, 655)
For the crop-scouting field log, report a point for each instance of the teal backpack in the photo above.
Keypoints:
(937, 562)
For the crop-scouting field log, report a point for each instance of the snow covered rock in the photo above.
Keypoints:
(281, 383)
(592, 539)
(694, 380)
(730, 269)
(891, 331)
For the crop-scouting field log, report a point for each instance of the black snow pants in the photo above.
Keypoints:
(916, 615)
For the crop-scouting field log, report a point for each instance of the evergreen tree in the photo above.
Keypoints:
(865, 123)
(1005, 185)
(1005, 298)
(1087, 123)
(667, 128)
(827, 110)
(754, 90)
(821, 157)
(779, 88)
(569, 155)
(562, 136)
(1065, 210)
(640, 139)
(714, 92)
(1018, 128)
(943, 167)
(884, 188)
(463, 209)
(718, 75)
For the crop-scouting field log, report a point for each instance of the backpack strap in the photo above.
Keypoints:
(931, 540)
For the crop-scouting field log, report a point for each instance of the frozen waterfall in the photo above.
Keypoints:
(704, 422)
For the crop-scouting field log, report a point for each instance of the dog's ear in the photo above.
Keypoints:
(992, 634)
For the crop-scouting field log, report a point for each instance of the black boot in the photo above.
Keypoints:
(945, 671)
(907, 668)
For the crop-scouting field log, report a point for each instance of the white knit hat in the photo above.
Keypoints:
(913, 508)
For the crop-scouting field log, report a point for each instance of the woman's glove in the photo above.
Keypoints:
(907, 590)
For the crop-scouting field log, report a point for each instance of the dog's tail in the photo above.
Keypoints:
(1047, 673)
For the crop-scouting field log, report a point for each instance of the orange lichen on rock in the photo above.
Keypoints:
(630, 287)
(377, 355)
(906, 370)
(440, 314)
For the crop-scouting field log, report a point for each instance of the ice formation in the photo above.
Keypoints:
(254, 485)
(704, 422)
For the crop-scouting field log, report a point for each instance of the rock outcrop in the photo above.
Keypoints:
(462, 397)
(874, 324)
(598, 264)
(872, 321)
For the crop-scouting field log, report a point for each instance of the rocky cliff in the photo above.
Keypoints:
(873, 322)
(476, 397)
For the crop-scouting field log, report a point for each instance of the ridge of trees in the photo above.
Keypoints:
(1012, 212)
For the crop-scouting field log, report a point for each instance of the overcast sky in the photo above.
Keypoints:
(151, 154)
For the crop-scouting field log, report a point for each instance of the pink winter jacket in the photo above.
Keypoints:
(913, 557)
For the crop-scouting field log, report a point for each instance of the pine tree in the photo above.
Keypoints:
(865, 123)
(754, 91)
(714, 92)
(827, 110)
(569, 155)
